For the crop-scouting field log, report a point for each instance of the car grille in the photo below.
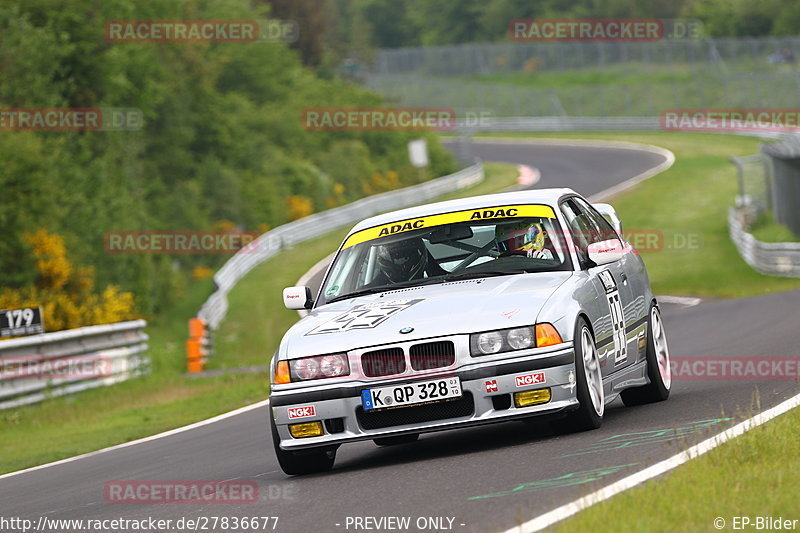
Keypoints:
(401, 416)
(432, 355)
(387, 362)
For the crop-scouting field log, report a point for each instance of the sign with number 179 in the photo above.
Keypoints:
(26, 321)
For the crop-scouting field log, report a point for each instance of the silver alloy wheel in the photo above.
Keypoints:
(591, 368)
(660, 345)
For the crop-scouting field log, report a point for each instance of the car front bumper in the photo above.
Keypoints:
(487, 396)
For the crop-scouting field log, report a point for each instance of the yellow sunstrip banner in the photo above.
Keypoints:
(400, 226)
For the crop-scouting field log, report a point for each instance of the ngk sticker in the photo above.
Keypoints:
(530, 379)
(301, 412)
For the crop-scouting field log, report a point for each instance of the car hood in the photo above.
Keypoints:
(428, 311)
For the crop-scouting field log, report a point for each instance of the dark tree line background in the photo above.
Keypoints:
(222, 145)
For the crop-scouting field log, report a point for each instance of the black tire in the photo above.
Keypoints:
(660, 377)
(394, 441)
(302, 462)
(587, 416)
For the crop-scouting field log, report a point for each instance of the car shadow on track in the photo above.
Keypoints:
(461, 442)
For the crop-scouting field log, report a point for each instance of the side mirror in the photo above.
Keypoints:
(610, 214)
(605, 252)
(297, 298)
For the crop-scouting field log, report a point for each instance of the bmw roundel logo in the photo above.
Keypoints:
(406, 330)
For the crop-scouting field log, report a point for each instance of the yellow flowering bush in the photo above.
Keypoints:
(66, 292)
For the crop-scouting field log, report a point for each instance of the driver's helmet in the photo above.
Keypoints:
(403, 260)
(517, 238)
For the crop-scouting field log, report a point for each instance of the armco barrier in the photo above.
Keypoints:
(270, 243)
(53, 364)
(771, 258)
(568, 123)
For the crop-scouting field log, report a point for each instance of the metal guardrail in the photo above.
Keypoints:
(756, 197)
(561, 123)
(774, 259)
(53, 364)
(566, 123)
(270, 243)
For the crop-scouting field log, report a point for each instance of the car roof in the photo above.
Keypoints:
(532, 196)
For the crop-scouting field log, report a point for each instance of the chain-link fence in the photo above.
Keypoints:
(775, 90)
(591, 78)
(477, 59)
(753, 175)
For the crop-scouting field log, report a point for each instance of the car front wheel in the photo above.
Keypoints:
(589, 383)
(658, 369)
(301, 462)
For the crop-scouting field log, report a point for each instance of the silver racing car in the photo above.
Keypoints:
(466, 312)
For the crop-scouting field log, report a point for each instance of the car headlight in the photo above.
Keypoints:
(520, 338)
(319, 367)
(506, 340)
(490, 342)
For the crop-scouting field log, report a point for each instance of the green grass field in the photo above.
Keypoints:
(629, 89)
(768, 230)
(753, 475)
(619, 74)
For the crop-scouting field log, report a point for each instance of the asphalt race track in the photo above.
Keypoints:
(481, 479)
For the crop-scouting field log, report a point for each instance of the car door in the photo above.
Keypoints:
(611, 285)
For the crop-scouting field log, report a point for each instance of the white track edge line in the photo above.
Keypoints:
(627, 184)
(560, 513)
(669, 157)
(162, 435)
(687, 301)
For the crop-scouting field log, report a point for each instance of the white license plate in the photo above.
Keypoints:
(411, 393)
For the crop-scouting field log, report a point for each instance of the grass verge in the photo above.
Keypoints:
(753, 475)
(167, 398)
(766, 229)
(688, 206)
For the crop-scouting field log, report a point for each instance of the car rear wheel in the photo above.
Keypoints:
(658, 369)
(589, 383)
(394, 441)
(301, 462)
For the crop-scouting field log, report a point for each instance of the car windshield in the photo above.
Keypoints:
(444, 252)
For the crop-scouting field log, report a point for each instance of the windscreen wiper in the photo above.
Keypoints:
(481, 274)
(362, 292)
